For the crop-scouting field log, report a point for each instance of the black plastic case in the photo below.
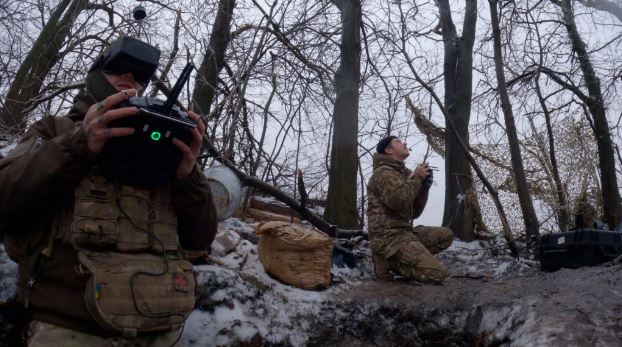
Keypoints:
(577, 248)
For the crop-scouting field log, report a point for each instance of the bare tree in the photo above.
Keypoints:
(341, 201)
(612, 206)
(272, 107)
(42, 57)
(604, 5)
(563, 214)
(529, 214)
(205, 87)
(458, 73)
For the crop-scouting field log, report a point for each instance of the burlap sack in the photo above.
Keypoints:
(295, 254)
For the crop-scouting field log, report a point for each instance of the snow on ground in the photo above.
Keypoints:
(238, 302)
(484, 259)
(8, 277)
(5, 148)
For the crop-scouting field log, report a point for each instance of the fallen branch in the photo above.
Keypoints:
(272, 207)
(261, 215)
(306, 214)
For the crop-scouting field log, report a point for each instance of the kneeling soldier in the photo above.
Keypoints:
(396, 196)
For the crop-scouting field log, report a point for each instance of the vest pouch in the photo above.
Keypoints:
(164, 223)
(95, 214)
(137, 293)
(148, 220)
(134, 221)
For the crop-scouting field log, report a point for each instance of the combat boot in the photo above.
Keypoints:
(381, 268)
(430, 270)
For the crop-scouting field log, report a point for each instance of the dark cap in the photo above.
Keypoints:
(384, 143)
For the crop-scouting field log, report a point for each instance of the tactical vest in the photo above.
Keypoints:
(125, 218)
(127, 240)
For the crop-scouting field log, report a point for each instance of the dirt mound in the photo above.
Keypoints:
(580, 307)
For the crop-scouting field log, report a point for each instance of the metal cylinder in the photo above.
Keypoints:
(226, 190)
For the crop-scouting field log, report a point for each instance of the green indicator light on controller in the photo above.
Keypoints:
(155, 136)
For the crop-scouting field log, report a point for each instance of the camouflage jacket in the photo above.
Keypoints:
(38, 179)
(393, 201)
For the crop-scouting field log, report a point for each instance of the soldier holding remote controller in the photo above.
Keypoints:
(101, 257)
(396, 196)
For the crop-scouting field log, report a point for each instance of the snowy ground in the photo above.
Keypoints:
(5, 148)
(238, 302)
(484, 259)
(489, 295)
(8, 277)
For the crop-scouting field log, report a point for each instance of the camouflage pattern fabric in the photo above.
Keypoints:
(415, 259)
(41, 334)
(37, 211)
(394, 200)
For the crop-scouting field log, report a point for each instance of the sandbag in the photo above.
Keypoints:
(295, 254)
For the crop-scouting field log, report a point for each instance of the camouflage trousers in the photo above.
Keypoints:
(41, 334)
(415, 257)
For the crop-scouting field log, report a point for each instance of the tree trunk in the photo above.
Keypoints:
(563, 216)
(610, 195)
(529, 214)
(341, 207)
(458, 74)
(604, 5)
(214, 59)
(38, 63)
(436, 137)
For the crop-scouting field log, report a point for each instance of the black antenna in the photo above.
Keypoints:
(172, 97)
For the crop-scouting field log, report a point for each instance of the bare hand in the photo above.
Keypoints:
(421, 170)
(190, 153)
(99, 115)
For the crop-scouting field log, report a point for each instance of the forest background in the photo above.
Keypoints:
(531, 88)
